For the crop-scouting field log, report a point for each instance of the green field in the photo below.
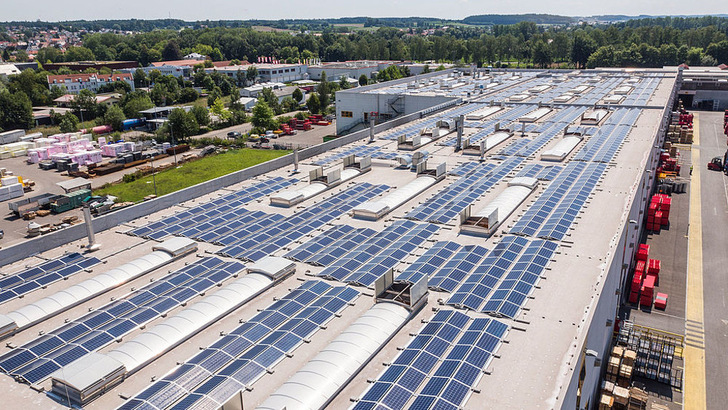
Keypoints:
(189, 174)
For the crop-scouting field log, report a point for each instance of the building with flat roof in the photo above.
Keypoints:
(398, 267)
(74, 83)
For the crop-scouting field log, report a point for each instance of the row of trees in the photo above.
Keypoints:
(706, 39)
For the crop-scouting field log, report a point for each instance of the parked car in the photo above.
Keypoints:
(234, 134)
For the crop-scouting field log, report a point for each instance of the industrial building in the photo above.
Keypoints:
(467, 253)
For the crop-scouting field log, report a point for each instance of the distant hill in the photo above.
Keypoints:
(505, 19)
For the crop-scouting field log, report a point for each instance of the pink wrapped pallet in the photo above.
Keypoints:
(102, 141)
(33, 157)
(61, 146)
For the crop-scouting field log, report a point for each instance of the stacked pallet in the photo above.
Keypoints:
(637, 399)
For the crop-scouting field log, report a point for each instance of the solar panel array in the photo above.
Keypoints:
(361, 151)
(557, 121)
(226, 228)
(447, 356)
(256, 245)
(403, 378)
(44, 274)
(505, 118)
(330, 245)
(603, 146)
(240, 358)
(453, 381)
(643, 91)
(429, 262)
(537, 214)
(414, 129)
(221, 206)
(511, 293)
(373, 258)
(564, 214)
(36, 360)
(540, 172)
(599, 91)
(449, 202)
(479, 284)
(501, 284)
(457, 268)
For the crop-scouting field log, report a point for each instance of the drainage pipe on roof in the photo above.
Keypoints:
(318, 382)
(87, 378)
(58, 302)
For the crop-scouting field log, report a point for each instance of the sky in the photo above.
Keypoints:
(192, 10)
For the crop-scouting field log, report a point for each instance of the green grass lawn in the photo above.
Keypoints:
(189, 174)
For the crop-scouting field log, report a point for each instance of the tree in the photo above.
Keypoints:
(182, 124)
(85, 101)
(583, 47)
(188, 94)
(426, 69)
(134, 102)
(289, 104)
(201, 115)
(363, 80)
(271, 100)
(251, 74)
(313, 104)
(323, 92)
(16, 111)
(541, 54)
(262, 115)
(218, 109)
(297, 95)
(140, 78)
(115, 117)
(69, 122)
(171, 51)
(216, 55)
(58, 91)
(343, 83)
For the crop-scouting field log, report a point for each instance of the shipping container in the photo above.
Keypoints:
(69, 201)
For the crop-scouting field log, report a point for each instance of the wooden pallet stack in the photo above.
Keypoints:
(637, 399)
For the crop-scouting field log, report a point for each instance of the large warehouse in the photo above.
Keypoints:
(468, 253)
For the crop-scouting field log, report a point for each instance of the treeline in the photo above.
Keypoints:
(704, 41)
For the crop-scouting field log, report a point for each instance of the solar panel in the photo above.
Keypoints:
(398, 383)
(463, 367)
(99, 328)
(449, 202)
(476, 287)
(203, 212)
(517, 285)
(243, 355)
(429, 262)
(269, 240)
(456, 269)
(37, 277)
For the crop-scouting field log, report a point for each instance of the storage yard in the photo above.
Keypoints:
(480, 253)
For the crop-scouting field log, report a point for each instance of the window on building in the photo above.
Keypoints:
(347, 114)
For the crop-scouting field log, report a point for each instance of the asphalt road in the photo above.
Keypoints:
(714, 201)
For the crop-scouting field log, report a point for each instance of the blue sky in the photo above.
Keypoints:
(56, 10)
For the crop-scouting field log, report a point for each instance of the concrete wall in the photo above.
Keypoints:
(61, 237)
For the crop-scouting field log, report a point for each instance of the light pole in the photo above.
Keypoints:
(154, 177)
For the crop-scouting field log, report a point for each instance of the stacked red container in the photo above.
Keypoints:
(653, 269)
(643, 252)
(648, 291)
(658, 213)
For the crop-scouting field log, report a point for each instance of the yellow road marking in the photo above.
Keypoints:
(695, 351)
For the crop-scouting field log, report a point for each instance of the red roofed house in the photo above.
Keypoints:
(74, 83)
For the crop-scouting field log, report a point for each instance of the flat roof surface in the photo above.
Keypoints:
(534, 367)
